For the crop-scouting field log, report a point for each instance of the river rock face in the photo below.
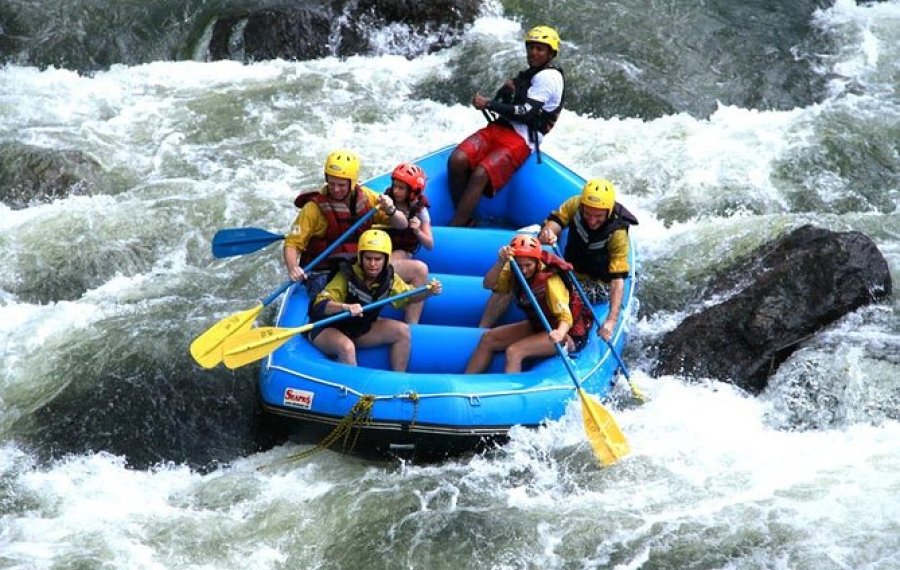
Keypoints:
(798, 284)
(32, 175)
(340, 28)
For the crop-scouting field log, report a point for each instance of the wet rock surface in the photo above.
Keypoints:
(341, 29)
(798, 284)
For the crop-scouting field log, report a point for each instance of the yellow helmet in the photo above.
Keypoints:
(543, 35)
(598, 193)
(343, 163)
(375, 240)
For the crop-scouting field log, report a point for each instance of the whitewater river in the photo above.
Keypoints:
(117, 451)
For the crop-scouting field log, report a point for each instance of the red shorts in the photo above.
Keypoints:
(499, 150)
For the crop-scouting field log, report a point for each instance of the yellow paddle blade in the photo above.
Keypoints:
(603, 432)
(638, 395)
(255, 344)
(207, 348)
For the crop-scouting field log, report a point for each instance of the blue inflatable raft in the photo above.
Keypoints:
(434, 410)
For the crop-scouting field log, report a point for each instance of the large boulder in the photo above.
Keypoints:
(798, 283)
(32, 175)
(339, 28)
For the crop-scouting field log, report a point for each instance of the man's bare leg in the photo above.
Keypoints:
(458, 172)
(394, 333)
(478, 181)
(333, 342)
(415, 273)
(496, 305)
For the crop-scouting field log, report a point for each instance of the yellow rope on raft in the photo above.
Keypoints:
(358, 416)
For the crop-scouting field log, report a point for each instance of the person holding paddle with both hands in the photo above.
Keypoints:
(557, 322)
(597, 248)
(370, 279)
(526, 339)
(326, 215)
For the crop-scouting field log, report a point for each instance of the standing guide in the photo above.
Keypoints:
(520, 114)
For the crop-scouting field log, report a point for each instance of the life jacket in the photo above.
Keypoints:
(586, 249)
(546, 120)
(405, 239)
(340, 215)
(582, 318)
(358, 292)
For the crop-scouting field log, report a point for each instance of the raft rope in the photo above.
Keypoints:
(359, 416)
(414, 398)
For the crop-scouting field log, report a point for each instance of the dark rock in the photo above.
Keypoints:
(148, 404)
(341, 29)
(30, 175)
(799, 283)
(299, 33)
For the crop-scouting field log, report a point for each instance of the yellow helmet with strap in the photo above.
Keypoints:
(543, 35)
(343, 163)
(598, 193)
(375, 240)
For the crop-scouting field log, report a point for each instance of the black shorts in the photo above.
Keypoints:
(353, 327)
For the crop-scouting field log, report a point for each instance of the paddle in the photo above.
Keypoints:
(587, 303)
(603, 433)
(229, 242)
(255, 344)
(207, 348)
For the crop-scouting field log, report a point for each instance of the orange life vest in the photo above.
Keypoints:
(582, 320)
(340, 215)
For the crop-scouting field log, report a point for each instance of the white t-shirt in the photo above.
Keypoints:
(546, 87)
(424, 216)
